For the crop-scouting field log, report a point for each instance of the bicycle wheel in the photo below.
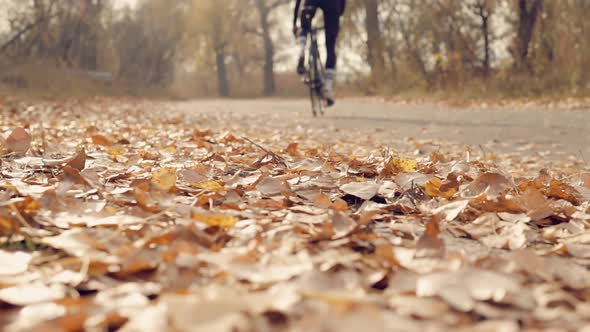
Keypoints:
(315, 81)
(310, 84)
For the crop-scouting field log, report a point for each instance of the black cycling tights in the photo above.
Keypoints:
(332, 12)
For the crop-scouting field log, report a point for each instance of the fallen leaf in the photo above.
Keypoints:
(14, 263)
(490, 184)
(27, 294)
(463, 288)
(219, 220)
(562, 190)
(33, 315)
(208, 185)
(536, 205)
(293, 150)
(396, 166)
(79, 161)
(164, 179)
(451, 211)
(343, 225)
(19, 141)
(363, 190)
(270, 186)
(430, 244)
(101, 140)
(433, 189)
(118, 220)
(116, 150)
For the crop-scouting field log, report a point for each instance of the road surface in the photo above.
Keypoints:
(552, 133)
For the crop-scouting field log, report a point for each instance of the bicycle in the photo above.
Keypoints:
(314, 76)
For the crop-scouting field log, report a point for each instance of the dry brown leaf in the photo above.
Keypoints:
(79, 161)
(433, 189)
(19, 141)
(164, 179)
(270, 186)
(14, 263)
(101, 140)
(430, 244)
(27, 294)
(363, 190)
(490, 184)
(535, 203)
(322, 201)
(293, 150)
(562, 190)
(320, 241)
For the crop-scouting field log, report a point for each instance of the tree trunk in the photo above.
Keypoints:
(222, 80)
(89, 27)
(527, 18)
(42, 27)
(484, 15)
(486, 39)
(374, 41)
(268, 73)
(391, 53)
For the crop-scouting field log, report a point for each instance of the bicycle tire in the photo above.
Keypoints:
(315, 80)
(310, 84)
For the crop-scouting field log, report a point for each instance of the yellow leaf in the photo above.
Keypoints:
(397, 166)
(170, 149)
(432, 189)
(164, 179)
(219, 220)
(405, 165)
(116, 150)
(208, 185)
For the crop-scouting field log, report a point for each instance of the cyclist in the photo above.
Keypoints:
(333, 10)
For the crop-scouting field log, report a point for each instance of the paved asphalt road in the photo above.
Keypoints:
(562, 133)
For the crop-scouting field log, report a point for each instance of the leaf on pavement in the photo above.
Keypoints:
(490, 184)
(14, 263)
(164, 179)
(451, 211)
(430, 244)
(208, 185)
(27, 294)
(79, 161)
(433, 189)
(396, 166)
(19, 141)
(270, 186)
(212, 219)
(561, 190)
(101, 140)
(363, 190)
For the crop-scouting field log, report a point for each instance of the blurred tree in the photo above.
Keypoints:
(528, 12)
(265, 9)
(147, 41)
(375, 53)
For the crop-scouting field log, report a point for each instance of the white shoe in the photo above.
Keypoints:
(328, 91)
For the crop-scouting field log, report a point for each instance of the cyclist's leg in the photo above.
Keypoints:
(332, 25)
(309, 9)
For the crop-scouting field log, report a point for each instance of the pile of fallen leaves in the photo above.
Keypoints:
(113, 217)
